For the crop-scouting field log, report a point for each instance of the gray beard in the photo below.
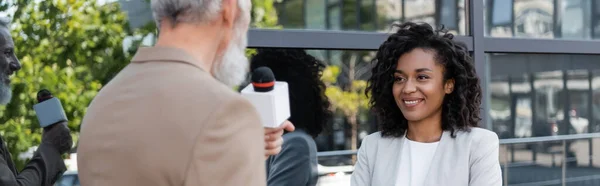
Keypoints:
(5, 93)
(232, 68)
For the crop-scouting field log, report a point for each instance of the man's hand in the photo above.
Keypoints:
(273, 139)
(58, 136)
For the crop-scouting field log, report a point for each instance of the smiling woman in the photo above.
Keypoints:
(417, 83)
(426, 94)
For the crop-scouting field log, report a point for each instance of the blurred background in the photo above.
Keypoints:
(539, 62)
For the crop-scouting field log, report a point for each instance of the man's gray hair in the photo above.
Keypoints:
(4, 22)
(185, 10)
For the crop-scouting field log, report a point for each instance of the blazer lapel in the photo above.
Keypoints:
(395, 156)
(433, 171)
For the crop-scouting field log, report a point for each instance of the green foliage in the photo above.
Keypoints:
(349, 102)
(369, 19)
(330, 75)
(294, 13)
(264, 14)
(68, 47)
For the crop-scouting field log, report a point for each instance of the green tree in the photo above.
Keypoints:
(350, 102)
(264, 15)
(348, 98)
(69, 47)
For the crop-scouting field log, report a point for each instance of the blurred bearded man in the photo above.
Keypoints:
(171, 117)
(46, 166)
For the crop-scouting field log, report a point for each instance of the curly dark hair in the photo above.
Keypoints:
(460, 109)
(308, 104)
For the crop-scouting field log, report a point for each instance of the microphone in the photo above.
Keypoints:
(49, 110)
(263, 79)
(269, 97)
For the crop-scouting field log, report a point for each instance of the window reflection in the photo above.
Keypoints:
(290, 13)
(544, 95)
(595, 102)
(317, 19)
(510, 107)
(369, 15)
(532, 166)
(565, 19)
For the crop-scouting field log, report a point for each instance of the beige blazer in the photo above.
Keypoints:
(164, 121)
(470, 159)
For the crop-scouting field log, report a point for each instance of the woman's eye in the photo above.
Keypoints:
(422, 77)
(398, 79)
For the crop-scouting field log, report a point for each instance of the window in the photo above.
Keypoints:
(536, 95)
(566, 19)
(370, 15)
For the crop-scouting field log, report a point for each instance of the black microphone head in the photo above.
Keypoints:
(263, 79)
(43, 95)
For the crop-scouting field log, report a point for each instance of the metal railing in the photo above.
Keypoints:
(502, 142)
(509, 157)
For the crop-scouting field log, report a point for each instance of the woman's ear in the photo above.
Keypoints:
(449, 86)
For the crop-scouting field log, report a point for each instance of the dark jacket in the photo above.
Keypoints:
(296, 164)
(44, 168)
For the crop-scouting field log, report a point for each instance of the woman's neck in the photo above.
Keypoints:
(425, 131)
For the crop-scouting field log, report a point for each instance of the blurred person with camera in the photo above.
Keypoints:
(46, 165)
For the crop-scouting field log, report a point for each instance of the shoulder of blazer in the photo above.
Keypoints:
(480, 140)
(209, 89)
(375, 140)
(478, 136)
(371, 139)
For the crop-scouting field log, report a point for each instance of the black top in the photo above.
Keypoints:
(296, 164)
(44, 168)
